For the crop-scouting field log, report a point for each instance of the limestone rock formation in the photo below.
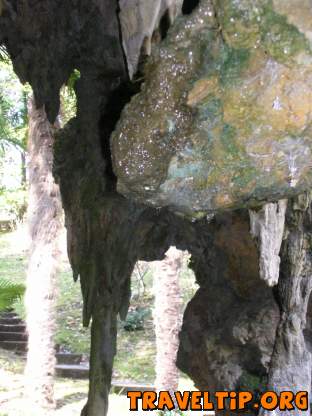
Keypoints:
(138, 20)
(267, 226)
(238, 333)
(229, 326)
(223, 121)
(224, 116)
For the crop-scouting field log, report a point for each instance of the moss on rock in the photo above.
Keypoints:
(224, 114)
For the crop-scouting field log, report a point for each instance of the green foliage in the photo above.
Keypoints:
(13, 204)
(68, 98)
(135, 319)
(68, 105)
(13, 131)
(136, 350)
(9, 293)
(70, 334)
(13, 110)
(135, 359)
(72, 81)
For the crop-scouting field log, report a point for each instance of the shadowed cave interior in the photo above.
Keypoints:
(239, 332)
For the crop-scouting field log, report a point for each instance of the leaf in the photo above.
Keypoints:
(9, 293)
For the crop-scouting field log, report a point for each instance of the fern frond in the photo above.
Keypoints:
(9, 293)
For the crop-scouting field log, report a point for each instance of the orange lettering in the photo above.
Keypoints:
(148, 400)
(207, 403)
(196, 400)
(244, 397)
(269, 400)
(182, 399)
(165, 400)
(134, 396)
(221, 396)
(301, 400)
(286, 400)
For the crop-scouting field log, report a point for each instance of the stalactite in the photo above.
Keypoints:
(267, 227)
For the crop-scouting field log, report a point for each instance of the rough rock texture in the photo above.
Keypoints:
(229, 327)
(60, 36)
(224, 116)
(228, 142)
(238, 333)
(267, 226)
(290, 367)
(138, 20)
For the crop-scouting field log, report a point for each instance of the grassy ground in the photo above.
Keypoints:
(71, 395)
(136, 348)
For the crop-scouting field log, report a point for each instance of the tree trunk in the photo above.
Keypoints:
(167, 318)
(45, 223)
(23, 168)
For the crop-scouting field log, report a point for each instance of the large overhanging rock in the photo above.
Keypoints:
(224, 118)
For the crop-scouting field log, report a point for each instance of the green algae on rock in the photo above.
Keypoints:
(224, 118)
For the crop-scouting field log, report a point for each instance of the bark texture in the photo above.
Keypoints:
(167, 319)
(238, 332)
(45, 224)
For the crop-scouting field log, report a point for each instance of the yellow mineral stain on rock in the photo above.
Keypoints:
(223, 200)
(298, 13)
(201, 89)
(280, 97)
(288, 104)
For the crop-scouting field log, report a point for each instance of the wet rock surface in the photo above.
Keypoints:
(224, 116)
(203, 135)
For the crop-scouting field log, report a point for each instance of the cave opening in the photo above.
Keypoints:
(189, 5)
(164, 25)
(160, 293)
(115, 103)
